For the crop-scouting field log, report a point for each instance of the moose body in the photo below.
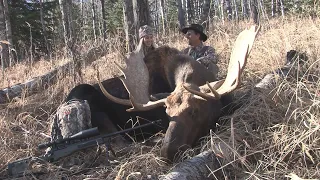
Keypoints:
(109, 116)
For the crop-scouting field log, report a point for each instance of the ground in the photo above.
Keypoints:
(275, 135)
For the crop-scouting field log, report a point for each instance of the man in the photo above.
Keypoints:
(201, 53)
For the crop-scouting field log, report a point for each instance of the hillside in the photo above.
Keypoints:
(273, 136)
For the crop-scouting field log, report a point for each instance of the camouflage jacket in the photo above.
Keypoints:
(204, 54)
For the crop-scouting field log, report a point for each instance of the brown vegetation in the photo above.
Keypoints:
(265, 140)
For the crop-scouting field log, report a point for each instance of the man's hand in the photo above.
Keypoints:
(204, 61)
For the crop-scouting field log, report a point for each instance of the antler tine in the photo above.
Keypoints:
(145, 107)
(212, 86)
(201, 94)
(214, 92)
(120, 68)
(112, 98)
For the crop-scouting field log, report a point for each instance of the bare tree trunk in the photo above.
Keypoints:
(4, 49)
(272, 8)
(156, 17)
(246, 5)
(93, 10)
(104, 19)
(204, 20)
(8, 30)
(31, 44)
(282, 8)
(162, 17)
(128, 22)
(44, 29)
(277, 7)
(143, 13)
(195, 9)
(199, 6)
(262, 9)
(70, 20)
(189, 11)
(222, 9)
(212, 10)
(254, 12)
(235, 10)
(245, 8)
(82, 12)
(216, 8)
(136, 24)
(83, 17)
(182, 21)
(65, 23)
(229, 9)
(99, 19)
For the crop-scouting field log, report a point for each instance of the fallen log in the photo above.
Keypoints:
(39, 83)
(33, 85)
(197, 167)
(206, 165)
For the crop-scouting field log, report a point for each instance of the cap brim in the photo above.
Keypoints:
(185, 30)
(202, 35)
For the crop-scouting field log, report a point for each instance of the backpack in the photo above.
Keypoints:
(70, 118)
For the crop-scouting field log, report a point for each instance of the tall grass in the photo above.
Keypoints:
(275, 135)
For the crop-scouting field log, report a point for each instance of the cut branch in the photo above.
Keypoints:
(198, 167)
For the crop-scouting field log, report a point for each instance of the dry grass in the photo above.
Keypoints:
(267, 137)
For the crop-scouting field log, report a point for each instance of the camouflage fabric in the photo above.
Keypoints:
(71, 118)
(204, 55)
(145, 30)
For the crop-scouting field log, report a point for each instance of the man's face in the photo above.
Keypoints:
(192, 37)
(148, 40)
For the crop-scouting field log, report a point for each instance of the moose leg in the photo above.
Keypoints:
(105, 126)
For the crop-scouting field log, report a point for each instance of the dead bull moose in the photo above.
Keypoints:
(194, 104)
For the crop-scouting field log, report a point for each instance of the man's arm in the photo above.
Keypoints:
(209, 56)
(185, 51)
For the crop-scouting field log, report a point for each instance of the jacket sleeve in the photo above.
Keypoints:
(209, 56)
(185, 51)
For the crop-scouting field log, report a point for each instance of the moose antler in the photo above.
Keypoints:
(136, 82)
(240, 52)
